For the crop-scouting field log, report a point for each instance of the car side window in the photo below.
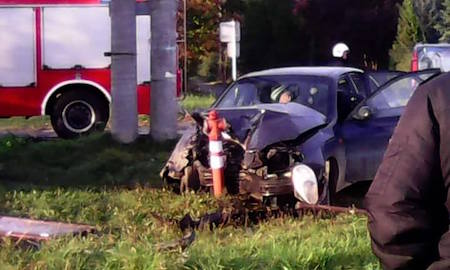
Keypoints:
(359, 83)
(395, 95)
(347, 97)
(244, 94)
(344, 85)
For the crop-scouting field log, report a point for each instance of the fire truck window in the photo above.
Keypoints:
(76, 36)
(17, 65)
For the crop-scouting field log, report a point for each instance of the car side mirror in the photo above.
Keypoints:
(363, 113)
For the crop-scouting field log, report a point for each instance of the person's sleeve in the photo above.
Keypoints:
(401, 199)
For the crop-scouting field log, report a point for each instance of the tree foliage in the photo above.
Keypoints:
(408, 35)
(429, 15)
(203, 18)
(444, 25)
(291, 32)
(368, 27)
(271, 36)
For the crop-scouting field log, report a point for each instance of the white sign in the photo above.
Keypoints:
(234, 50)
(230, 31)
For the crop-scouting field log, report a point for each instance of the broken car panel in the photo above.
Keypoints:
(311, 141)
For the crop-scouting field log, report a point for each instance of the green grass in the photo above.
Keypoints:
(194, 102)
(21, 122)
(112, 187)
(130, 235)
(92, 161)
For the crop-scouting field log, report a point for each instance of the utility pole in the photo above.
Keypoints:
(163, 121)
(123, 70)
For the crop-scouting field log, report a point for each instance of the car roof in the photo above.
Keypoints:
(333, 72)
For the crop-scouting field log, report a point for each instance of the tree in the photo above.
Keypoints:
(408, 35)
(203, 18)
(429, 15)
(368, 27)
(271, 35)
(444, 26)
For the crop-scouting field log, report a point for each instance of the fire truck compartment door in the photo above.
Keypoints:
(17, 46)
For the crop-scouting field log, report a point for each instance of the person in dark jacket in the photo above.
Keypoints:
(409, 200)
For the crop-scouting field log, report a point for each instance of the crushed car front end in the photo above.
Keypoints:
(262, 146)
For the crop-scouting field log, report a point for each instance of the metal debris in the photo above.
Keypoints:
(244, 213)
(38, 230)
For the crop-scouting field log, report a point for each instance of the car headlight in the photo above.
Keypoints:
(305, 184)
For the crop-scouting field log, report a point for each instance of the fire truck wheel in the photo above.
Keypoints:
(77, 114)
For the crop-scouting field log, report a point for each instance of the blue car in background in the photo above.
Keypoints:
(305, 132)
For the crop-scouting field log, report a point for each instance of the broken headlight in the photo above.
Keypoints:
(305, 184)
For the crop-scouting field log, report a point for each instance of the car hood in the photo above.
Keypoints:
(265, 124)
(254, 128)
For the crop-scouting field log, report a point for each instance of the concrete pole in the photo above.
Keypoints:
(123, 70)
(163, 121)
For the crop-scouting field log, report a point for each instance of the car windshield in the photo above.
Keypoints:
(311, 91)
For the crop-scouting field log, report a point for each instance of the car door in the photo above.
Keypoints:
(367, 130)
(348, 96)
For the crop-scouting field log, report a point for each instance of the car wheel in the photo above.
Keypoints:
(189, 181)
(77, 114)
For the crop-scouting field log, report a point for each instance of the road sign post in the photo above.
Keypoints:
(230, 33)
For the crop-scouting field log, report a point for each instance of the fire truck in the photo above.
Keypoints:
(53, 62)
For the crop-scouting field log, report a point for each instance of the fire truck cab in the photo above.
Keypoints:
(52, 62)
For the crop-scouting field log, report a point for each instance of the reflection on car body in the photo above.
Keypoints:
(330, 136)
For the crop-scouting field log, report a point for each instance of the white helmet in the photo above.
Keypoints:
(339, 49)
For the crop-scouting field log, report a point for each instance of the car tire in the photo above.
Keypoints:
(189, 180)
(79, 113)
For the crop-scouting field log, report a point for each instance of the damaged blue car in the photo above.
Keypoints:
(306, 132)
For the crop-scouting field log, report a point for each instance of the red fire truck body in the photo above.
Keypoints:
(52, 62)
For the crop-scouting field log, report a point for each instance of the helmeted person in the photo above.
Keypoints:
(281, 94)
(409, 199)
(340, 54)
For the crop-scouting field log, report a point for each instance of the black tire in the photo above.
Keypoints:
(79, 113)
(189, 181)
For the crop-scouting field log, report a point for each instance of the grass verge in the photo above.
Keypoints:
(130, 235)
(21, 122)
(193, 102)
(92, 161)
(111, 186)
